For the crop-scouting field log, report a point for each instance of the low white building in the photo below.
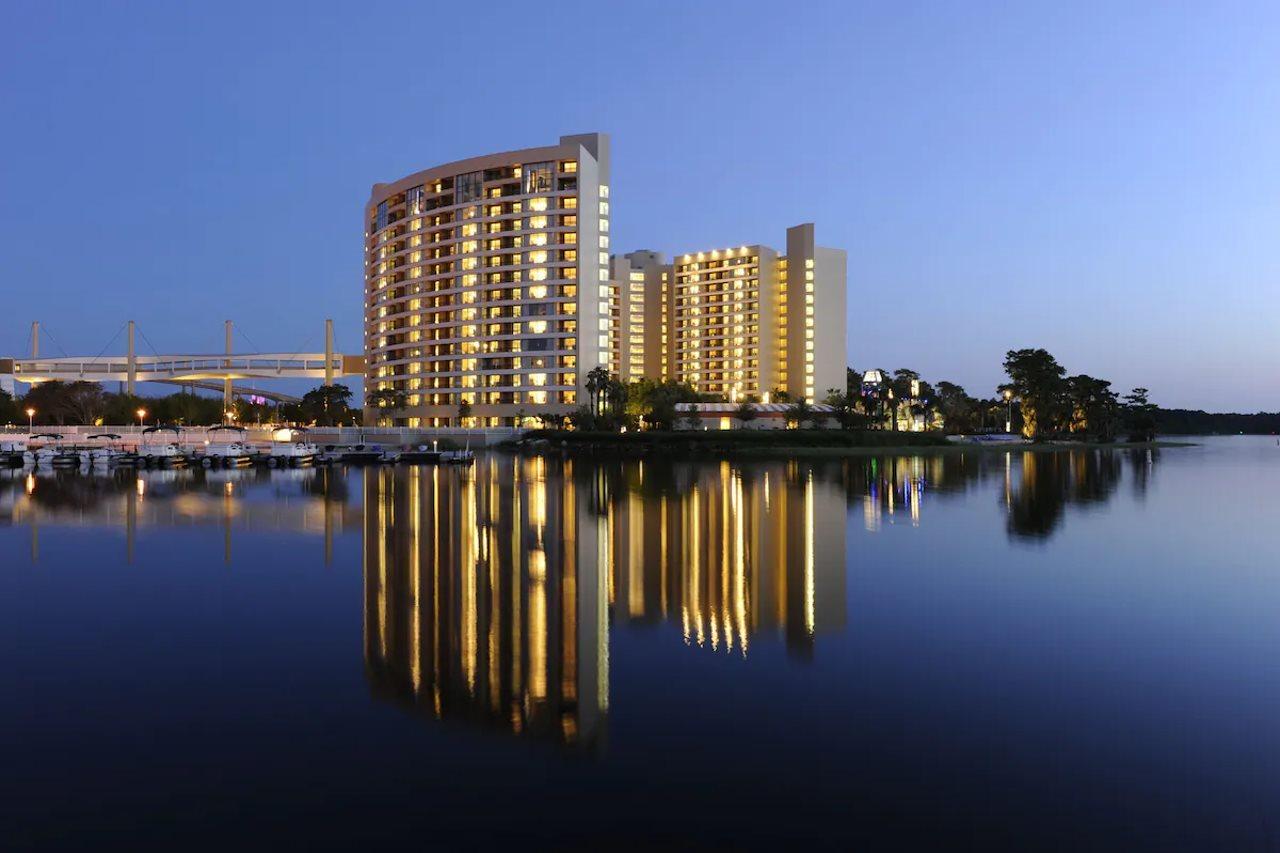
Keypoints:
(707, 416)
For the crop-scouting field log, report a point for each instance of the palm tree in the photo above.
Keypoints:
(387, 398)
(901, 387)
(597, 382)
(799, 412)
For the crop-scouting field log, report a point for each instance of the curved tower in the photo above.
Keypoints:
(487, 286)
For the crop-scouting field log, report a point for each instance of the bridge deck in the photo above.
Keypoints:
(186, 367)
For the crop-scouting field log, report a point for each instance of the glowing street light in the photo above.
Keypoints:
(31, 414)
(142, 417)
(1008, 399)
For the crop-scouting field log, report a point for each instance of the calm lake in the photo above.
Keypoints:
(1060, 650)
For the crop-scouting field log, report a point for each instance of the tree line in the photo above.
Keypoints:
(1039, 400)
(58, 403)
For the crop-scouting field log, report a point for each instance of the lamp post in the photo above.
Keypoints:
(31, 414)
(142, 415)
(1008, 399)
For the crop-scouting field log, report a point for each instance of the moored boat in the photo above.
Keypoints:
(420, 455)
(458, 457)
(288, 450)
(154, 451)
(52, 453)
(13, 452)
(109, 452)
(227, 454)
(361, 454)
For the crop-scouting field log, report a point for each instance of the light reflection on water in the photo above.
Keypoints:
(1020, 630)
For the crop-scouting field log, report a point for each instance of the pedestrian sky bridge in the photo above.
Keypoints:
(214, 371)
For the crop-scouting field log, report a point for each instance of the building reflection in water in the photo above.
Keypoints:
(488, 591)
(485, 596)
(307, 501)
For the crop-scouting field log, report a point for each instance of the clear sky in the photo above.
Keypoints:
(1099, 179)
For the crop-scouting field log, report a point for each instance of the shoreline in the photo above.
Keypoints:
(954, 449)
(726, 445)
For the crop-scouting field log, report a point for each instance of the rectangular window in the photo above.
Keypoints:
(537, 178)
(382, 215)
(416, 199)
(467, 187)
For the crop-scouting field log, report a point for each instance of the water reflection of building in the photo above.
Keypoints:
(730, 552)
(487, 592)
(484, 597)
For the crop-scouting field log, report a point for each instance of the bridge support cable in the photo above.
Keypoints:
(38, 328)
(228, 390)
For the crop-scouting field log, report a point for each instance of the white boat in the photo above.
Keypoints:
(458, 457)
(154, 450)
(52, 454)
(420, 455)
(355, 454)
(13, 452)
(109, 453)
(227, 453)
(287, 450)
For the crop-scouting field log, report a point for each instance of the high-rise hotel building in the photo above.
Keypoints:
(491, 293)
(487, 284)
(738, 322)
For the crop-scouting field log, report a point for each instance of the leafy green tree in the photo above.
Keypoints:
(464, 411)
(551, 420)
(852, 382)
(652, 403)
(327, 405)
(383, 399)
(901, 391)
(49, 401)
(9, 409)
(1140, 415)
(879, 399)
(800, 413)
(583, 418)
(745, 413)
(960, 412)
(923, 404)
(121, 409)
(1035, 378)
(1094, 407)
(387, 398)
(846, 407)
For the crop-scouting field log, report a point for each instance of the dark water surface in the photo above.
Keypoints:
(1072, 650)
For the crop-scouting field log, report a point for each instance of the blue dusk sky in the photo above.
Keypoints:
(1099, 179)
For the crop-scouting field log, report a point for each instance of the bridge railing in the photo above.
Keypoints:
(280, 363)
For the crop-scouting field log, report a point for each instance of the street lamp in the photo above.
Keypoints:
(31, 413)
(1008, 399)
(142, 414)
